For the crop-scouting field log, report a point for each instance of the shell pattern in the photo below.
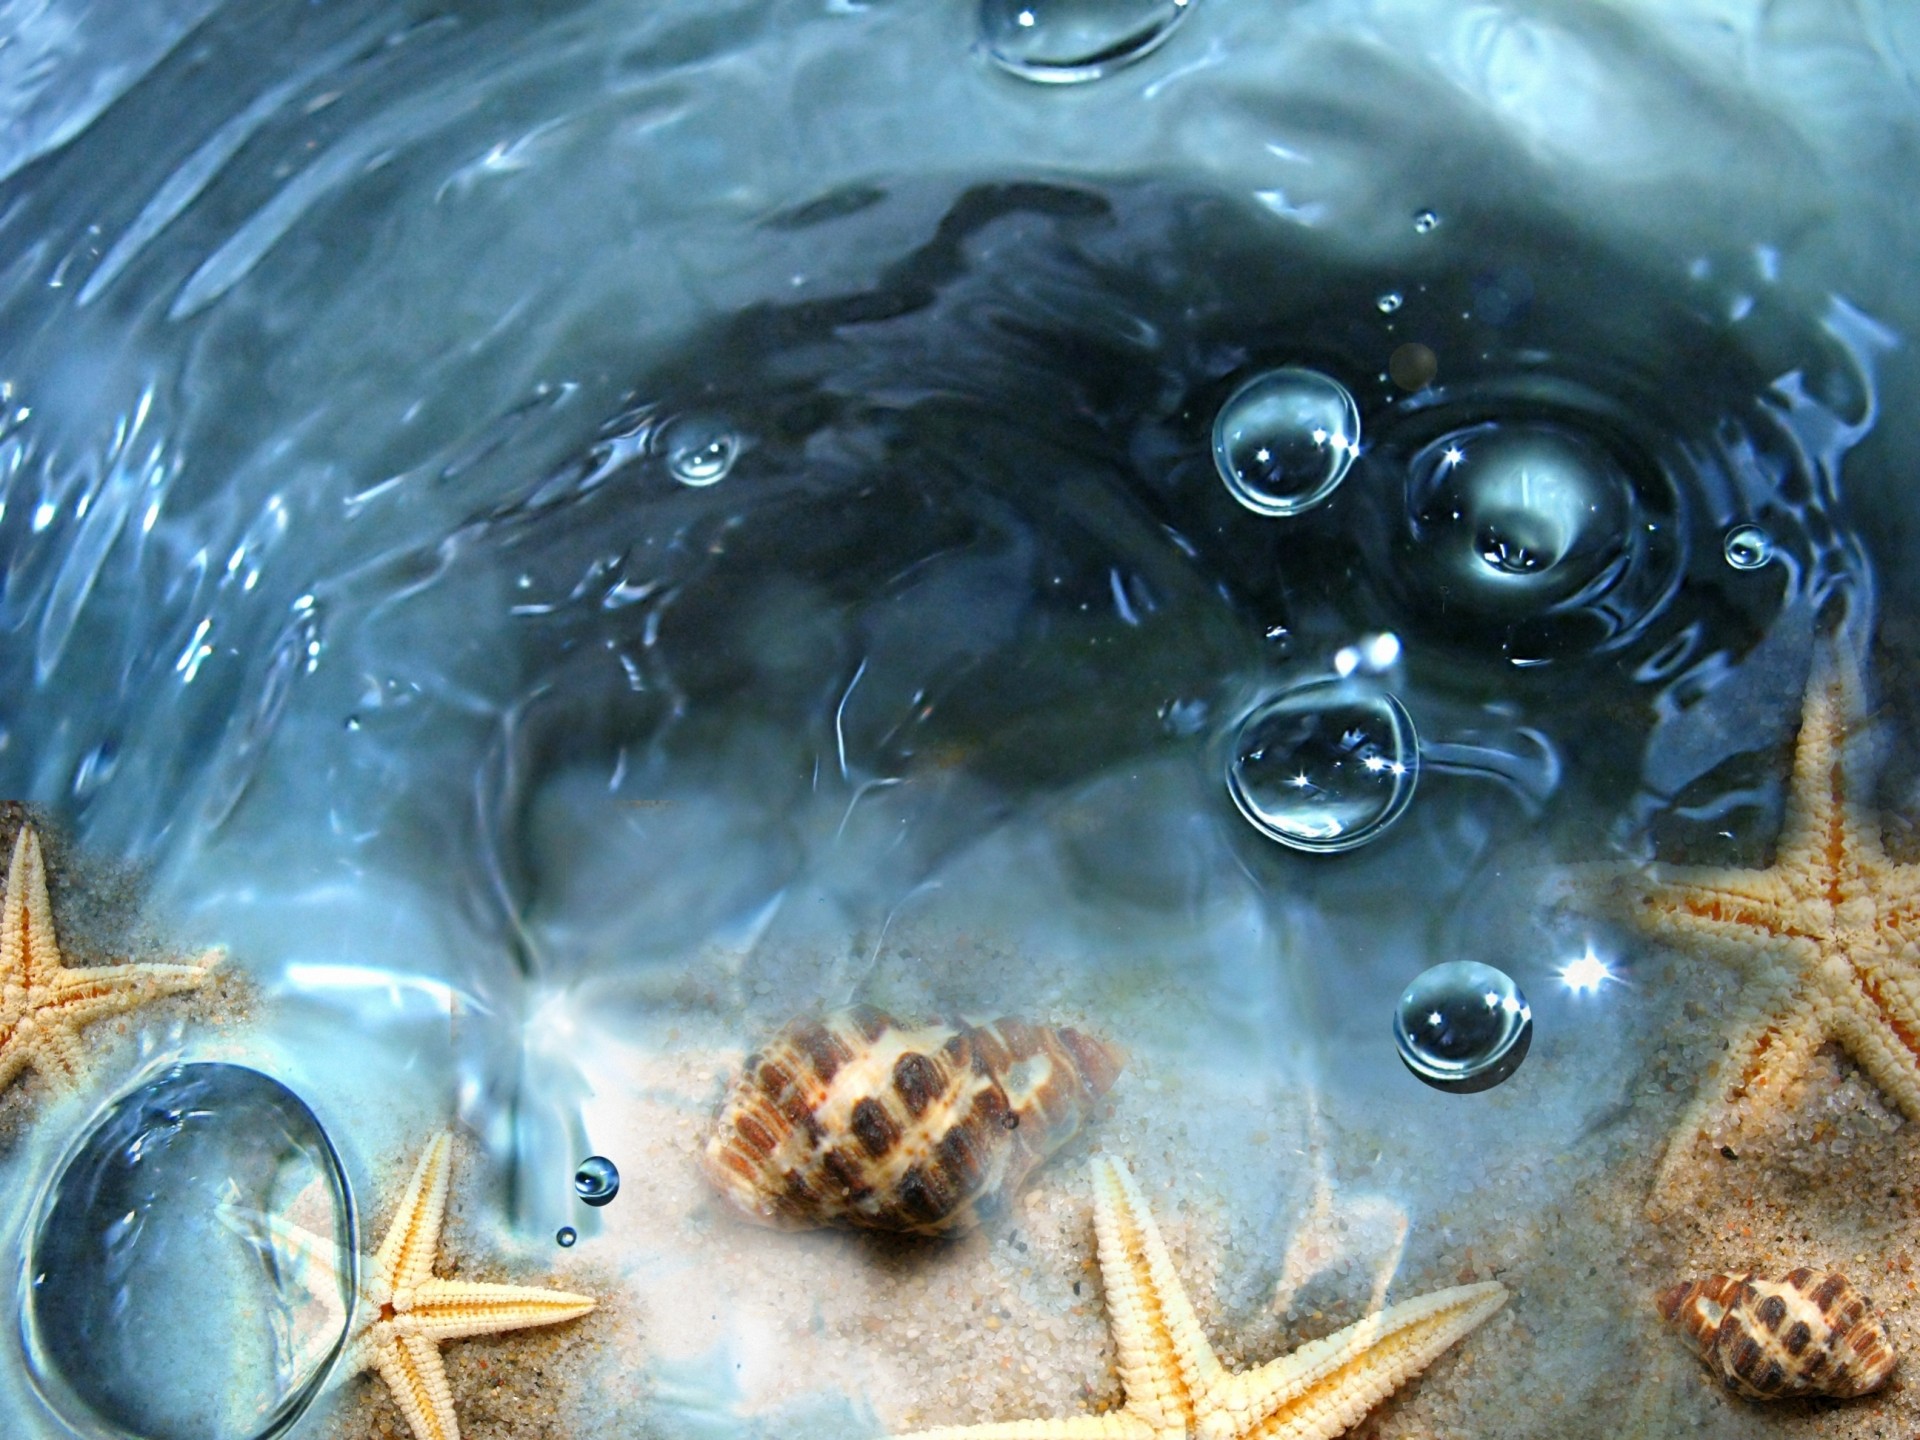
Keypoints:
(856, 1119)
(1810, 1334)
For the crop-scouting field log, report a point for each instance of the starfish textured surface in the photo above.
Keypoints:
(407, 1311)
(1829, 935)
(45, 1003)
(1176, 1387)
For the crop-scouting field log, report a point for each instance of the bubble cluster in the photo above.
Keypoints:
(182, 1262)
(1284, 440)
(1065, 42)
(1463, 1026)
(1325, 767)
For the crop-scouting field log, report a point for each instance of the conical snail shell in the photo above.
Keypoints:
(855, 1119)
(1810, 1334)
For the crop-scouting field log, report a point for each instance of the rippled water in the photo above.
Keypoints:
(568, 535)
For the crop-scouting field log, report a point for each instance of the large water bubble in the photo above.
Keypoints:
(1062, 42)
(1463, 1026)
(1284, 440)
(1540, 530)
(1326, 766)
(190, 1271)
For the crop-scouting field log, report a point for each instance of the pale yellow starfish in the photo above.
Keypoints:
(45, 1003)
(406, 1311)
(1177, 1389)
(1829, 935)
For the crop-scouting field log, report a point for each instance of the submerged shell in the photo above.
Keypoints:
(1810, 1334)
(855, 1119)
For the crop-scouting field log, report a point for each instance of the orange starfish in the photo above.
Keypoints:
(1829, 934)
(44, 1002)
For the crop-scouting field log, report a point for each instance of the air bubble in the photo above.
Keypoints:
(1065, 42)
(1390, 302)
(700, 449)
(1284, 440)
(1536, 529)
(1426, 222)
(1463, 1026)
(192, 1263)
(597, 1180)
(566, 1236)
(1325, 767)
(1748, 547)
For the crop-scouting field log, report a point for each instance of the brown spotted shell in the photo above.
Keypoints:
(1810, 1334)
(856, 1119)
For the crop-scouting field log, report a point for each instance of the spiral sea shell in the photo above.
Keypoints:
(856, 1119)
(1810, 1334)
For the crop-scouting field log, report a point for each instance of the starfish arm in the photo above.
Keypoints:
(1324, 1389)
(13, 1059)
(411, 1367)
(455, 1309)
(1824, 833)
(1165, 1363)
(405, 1256)
(1729, 908)
(1763, 1056)
(80, 995)
(28, 946)
(1118, 1425)
(1877, 1019)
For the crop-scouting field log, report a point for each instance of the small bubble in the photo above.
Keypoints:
(1748, 547)
(1413, 366)
(566, 1236)
(1463, 1026)
(1325, 767)
(1390, 302)
(597, 1180)
(1284, 440)
(700, 449)
(1065, 42)
(1426, 222)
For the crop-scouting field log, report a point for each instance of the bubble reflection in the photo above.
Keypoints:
(1325, 767)
(1539, 532)
(1065, 42)
(1463, 1026)
(1284, 440)
(191, 1263)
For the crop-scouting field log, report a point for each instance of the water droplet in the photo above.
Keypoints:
(597, 1180)
(700, 449)
(1285, 440)
(193, 1262)
(1063, 42)
(1519, 517)
(1389, 302)
(1326, 766)
(566, 1236)
(1412, 366)
(1426, 222)
(1463, 1026)
(1748, 547)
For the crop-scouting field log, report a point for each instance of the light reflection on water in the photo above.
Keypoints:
(567, 538)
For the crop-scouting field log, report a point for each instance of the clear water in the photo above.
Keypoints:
(568, 535)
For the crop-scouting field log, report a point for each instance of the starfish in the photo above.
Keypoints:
(1176, 1387)
(1829, 935)
(407, 1311)
(44, 1002)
